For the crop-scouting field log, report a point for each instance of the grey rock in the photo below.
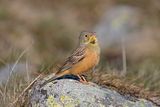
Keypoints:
(72, 93)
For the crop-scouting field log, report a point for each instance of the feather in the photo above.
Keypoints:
(77, 56)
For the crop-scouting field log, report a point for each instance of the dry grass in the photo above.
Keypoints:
(52, 25)
(15, 86)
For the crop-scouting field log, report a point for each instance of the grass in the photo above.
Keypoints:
(147, 73)
(15, 86)
(14, 83)
(53, 41)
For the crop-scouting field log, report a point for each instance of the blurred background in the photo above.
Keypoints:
(37, 35)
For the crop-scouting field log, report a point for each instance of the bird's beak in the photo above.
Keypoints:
(93, 39)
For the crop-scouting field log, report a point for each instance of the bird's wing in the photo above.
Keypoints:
(77, 56)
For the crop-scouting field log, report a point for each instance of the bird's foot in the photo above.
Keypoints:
(82, 79)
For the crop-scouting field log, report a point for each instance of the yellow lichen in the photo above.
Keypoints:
(68, 101)
(52, 103)
(65, 99)
(101, 105)
(142, 103)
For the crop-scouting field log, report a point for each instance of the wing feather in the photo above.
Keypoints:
(77, 56)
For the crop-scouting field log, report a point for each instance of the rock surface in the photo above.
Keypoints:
(72, 93)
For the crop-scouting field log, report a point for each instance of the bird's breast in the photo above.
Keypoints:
(91, 59)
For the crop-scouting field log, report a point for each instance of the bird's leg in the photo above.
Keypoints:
(82, 79)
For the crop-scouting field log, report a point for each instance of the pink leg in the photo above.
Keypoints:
(82, 79)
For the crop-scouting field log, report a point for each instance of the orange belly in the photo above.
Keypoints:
(91, 59)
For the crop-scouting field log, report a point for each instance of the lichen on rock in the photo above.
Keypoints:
(72, 93)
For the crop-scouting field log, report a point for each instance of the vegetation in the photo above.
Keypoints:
(49, 30)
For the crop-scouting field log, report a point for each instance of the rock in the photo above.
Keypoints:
(72, 93)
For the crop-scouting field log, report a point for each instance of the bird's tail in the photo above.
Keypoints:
(49, 80)
(57, 75)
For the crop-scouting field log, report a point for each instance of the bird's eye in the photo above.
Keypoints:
(86, 35)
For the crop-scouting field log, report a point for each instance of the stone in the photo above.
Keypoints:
(71, 93)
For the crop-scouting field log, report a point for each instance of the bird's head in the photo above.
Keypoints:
(88, 38)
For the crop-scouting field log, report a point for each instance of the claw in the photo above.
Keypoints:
(82, 79)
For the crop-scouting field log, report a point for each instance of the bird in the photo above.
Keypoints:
(85, 57)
